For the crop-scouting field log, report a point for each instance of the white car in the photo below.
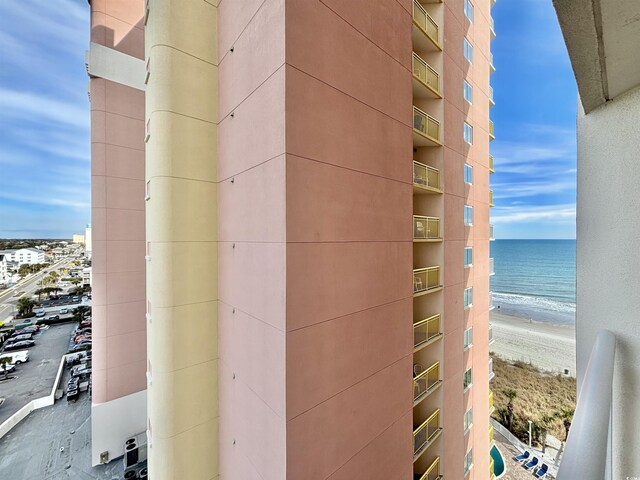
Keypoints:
(17, 357)
(64, 311)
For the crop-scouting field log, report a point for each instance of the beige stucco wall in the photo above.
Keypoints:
(608, 261)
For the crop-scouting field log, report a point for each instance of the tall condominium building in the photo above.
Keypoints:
(313, 219)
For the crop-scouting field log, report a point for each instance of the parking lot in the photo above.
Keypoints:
(35, 378)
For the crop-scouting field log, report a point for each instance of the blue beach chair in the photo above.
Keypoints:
(532, 463)
(523, 456)
(542, 471)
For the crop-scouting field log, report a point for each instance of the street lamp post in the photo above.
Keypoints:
(530, 423)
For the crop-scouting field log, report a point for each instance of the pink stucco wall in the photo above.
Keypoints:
(117, 188)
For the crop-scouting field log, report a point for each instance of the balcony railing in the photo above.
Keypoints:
(425, 23)
(587, 454)
(492, 475)
(491, 307)
(491, 407)
(425, 125)
(491, 269)
(493, 28)
(426, 331)
(493, 68)
(491, 339)
(491, 373)
(491, 235)
(490, 434)
(424, 73)
(425, 280)
(426, 433)
(491, 204)
(426, 381)
(491, 169)
(433, 472)
(492, 134)
(491, 100)
(426, 177)
(426, 228)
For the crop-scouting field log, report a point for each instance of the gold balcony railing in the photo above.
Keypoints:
(492, 134)
(491, 169)
(425, 279)
(426, 125)
(490, 434)
(426, 228)
(491, 204)
(433, 472)
(491, 407)
(426, 433)
(426, 330)
(492, 474)
(425, 176)
(491, 236)
(426, 381)
(425, 23)
(423, 72)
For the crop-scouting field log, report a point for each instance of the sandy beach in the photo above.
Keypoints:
(547, 346)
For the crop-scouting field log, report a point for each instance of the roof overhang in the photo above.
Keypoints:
(603, 39)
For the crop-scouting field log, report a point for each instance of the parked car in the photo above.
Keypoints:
(10, 367)
(75, 299)
(80, 347)
(21, 337)
(19, 345)
(31, 328)
(17, 357)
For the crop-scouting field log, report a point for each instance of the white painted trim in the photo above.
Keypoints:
(115, 66)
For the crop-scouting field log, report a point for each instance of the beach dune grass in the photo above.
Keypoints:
(540, 397)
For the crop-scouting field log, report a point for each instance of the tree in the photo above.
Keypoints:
(80, 312)
(566, 416)
(75, 281)
(4, 361)
(25, 306)
(541, 428)
(511, 394)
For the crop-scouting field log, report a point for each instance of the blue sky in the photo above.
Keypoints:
(535, 116)
(44, 121)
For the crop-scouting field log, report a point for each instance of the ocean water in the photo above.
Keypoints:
(535, 279)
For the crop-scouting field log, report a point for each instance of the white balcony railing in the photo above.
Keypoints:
(491, 269)
(587, 455)
(491, 373)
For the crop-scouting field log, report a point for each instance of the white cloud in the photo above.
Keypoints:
(30, 106)
(528, 214)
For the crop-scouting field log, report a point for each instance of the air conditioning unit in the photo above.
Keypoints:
(135, 450)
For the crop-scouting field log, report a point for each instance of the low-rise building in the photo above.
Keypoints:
(4, 272)
(78, 238)
(24, 255)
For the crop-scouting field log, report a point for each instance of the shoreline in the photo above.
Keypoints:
(548, 346)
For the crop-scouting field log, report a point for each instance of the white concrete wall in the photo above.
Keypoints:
(608, 259)
(116, 421)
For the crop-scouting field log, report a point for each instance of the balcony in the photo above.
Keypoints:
(426, 179)
(491, 100)
(426, 129)
(425, 382)
(491, 373)
(491, 236)
(492, 475)
(426, 332)
(432, 473)
(491, 204)
(491, 269)
(425, 33)
(491, 307)
(490, 435)
(491, 339)
(426, 81)
(492, 134)
(426, 229)
(492, 28)
(491, 407)
(426, 433)
(491, 169)
(426, 280)
(491, 66)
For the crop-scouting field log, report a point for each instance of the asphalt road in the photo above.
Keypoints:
(36, 377)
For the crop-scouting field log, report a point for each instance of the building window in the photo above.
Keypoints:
(468, 419)
(467, 379)
(468, 256)
(468, 92)
(468, 297)
(468, 174)
(468, 133)
(468, 337)
(468, 51)
(468, 461)
(468, 10)
(468, 215)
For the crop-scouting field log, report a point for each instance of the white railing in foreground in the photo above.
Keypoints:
(587, 454)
